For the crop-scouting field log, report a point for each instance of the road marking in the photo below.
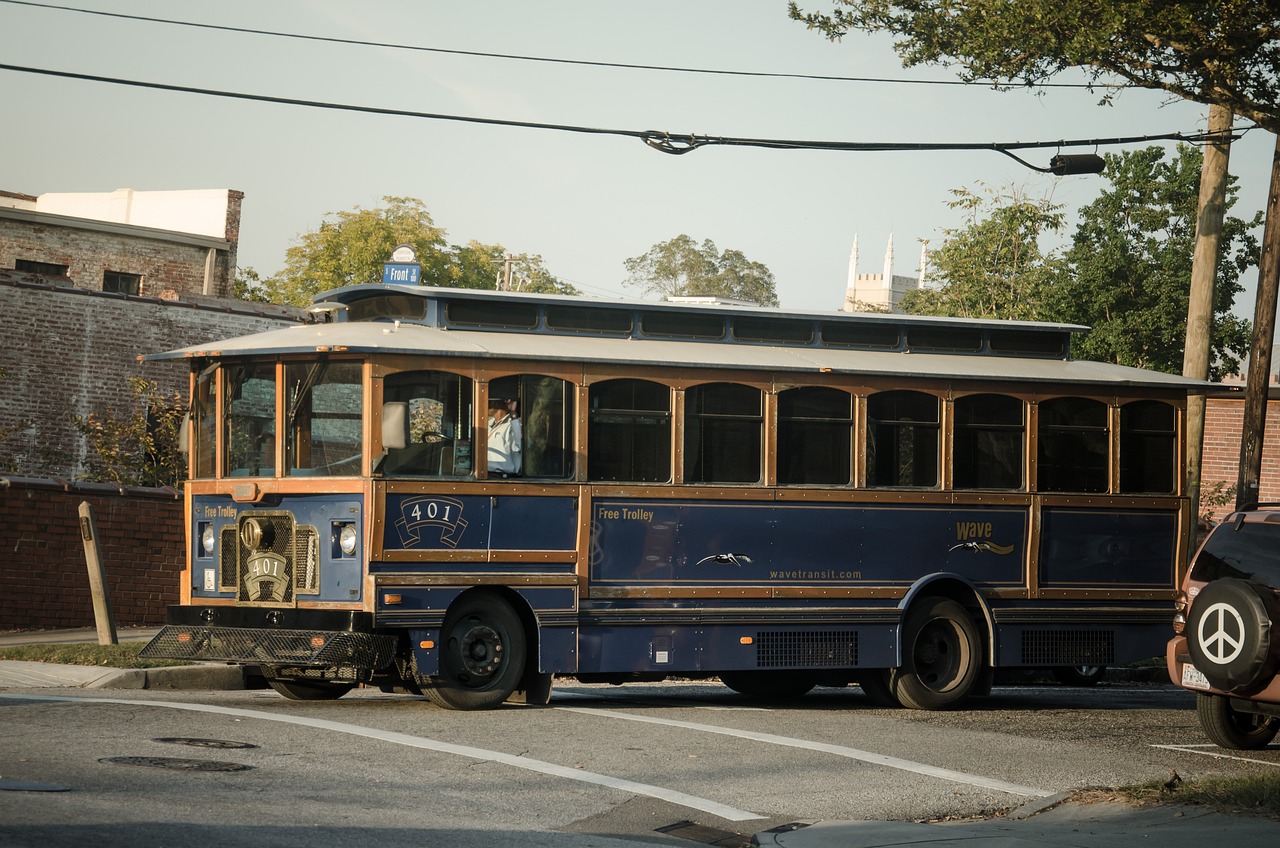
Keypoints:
(838, 750)
(692, 801)
(1191, 749)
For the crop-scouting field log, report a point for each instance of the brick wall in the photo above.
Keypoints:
(44, 578)
(1223, 422)
(67, 351)
(88, 254)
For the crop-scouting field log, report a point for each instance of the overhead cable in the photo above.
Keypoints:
(666, 142)
(545, 59)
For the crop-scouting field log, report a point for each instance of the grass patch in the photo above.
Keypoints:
(124, 655)
(1257, 795)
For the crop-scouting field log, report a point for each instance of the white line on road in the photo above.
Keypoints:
(1191, 749)
(691, 801)
(838, 750)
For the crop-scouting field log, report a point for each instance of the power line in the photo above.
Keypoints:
(675, 143)
(544, 59)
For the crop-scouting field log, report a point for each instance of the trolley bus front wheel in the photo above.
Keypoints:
(307, 690)
(941, 656)
(482, 655)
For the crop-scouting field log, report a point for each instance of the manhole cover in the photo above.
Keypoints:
(175, 763)
(203, 743)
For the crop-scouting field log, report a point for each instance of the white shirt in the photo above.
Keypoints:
(504, 445)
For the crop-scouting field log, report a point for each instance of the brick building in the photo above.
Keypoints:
(149, 243)
(1223, 423)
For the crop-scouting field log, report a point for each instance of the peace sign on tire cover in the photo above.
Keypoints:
(1233, 634)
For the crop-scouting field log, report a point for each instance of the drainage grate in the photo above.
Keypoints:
(203, 743)
(175, 763)
(706, 835)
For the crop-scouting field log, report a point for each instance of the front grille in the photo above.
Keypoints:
(806, 649)
(272, 647)
(292, 550)
(1068, 647)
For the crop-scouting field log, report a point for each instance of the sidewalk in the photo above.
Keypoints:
(38, 675)
(1108, 824)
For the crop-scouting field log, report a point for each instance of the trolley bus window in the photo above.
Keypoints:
(815, 434)
(629, 432)
(1148, 447)
(204, 412)
(903, 439)
(324, 417)
(723, 433)
(544, 407)
(987, 444)
(250, 419)
(1073, 446)
(439, 440)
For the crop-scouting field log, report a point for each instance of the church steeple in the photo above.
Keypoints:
(888, 264)
(853, 263)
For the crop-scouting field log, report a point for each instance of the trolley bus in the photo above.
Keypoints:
(779, 500)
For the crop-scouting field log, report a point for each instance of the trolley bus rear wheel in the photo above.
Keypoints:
(307, 690)
(482, 655)
(875, 685)
(941, 656)
(769, 685)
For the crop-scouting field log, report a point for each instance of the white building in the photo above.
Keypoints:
(884, 291)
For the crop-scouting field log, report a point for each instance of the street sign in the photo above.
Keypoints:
(401, 273)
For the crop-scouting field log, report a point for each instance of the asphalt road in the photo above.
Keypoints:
(600, 766)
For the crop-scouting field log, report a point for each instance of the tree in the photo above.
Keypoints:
(1130, 266)
(485, 266)
(141, 447)
(682, 267)
(350, 247)
(1225, 52)
(993, 266)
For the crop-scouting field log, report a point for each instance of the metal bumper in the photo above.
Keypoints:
(269, 646)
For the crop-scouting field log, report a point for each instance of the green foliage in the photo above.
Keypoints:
(1130, 266)
(993, 266)
(484, 266)
(1225, 52)
(350, 248)
(123, 655)
(140, 448)
(682, 267)
(1213, 497)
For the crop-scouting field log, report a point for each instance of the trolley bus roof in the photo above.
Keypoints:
(401, 337)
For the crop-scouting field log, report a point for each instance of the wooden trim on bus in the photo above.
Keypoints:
(470, 578)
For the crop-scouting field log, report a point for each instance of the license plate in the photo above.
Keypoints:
(1193, 679)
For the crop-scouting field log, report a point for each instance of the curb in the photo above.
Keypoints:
(210, 677)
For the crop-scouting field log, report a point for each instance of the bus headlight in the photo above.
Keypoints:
(207, 539)
(347, 539)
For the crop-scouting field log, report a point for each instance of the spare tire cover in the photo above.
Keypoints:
(1231, 631)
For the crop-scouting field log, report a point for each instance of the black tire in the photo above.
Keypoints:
(309, 690)
(1080, 675)
(1230, 635)
(941, 656)
(482, 655)
(1229, 728)
(769, 685)
(875, 685)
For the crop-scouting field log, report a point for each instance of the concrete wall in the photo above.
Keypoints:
(43, 574)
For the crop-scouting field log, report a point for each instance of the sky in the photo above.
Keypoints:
(584, 202)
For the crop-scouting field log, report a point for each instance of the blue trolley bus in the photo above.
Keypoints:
(466, 494)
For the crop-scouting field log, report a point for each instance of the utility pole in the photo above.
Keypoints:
(1264, 325)
(506, 271)
(1204, 270)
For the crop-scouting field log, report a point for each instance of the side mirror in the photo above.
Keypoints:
(395, 425)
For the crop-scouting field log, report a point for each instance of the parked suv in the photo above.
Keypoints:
(1227, 647)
